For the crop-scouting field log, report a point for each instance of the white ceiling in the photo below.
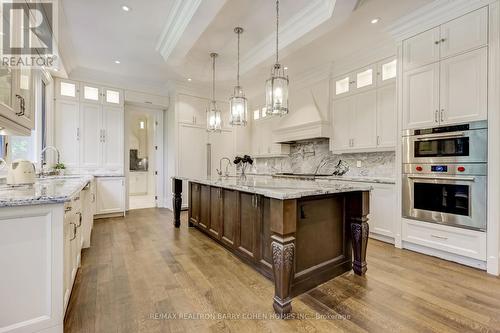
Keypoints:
(96, 33)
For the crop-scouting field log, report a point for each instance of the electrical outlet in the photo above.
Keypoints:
(358, 164)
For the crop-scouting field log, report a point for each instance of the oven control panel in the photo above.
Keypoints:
(479, 169)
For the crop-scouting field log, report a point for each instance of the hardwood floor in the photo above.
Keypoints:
(140, 272)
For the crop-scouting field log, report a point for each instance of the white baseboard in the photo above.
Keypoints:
(382, 238)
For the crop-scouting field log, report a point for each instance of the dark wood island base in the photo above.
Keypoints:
(297, 243)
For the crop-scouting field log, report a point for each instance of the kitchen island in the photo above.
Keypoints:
(297, 233)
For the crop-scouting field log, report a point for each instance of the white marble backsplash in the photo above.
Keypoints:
(314, 156)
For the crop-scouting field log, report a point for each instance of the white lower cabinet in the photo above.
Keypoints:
(382, 215)
(138, 183)
(40, 252)
(462, 242)
(110, 195)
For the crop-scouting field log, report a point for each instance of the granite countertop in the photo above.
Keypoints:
(50, 190)
(281, 188)
(362, 179)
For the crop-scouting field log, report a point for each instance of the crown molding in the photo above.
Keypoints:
(180, 15)
(432, 15)
(317, 12)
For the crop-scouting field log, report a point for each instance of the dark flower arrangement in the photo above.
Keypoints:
(243, 162)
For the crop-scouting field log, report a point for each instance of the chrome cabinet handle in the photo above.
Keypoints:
(436, 117)
(378, 140)
(74, 231)
(68, 209)
(78, 133)
(103, 135)
(79, 220)
(22, 105)
(442, 115)
(439, 237)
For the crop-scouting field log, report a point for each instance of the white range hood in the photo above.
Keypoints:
(308, 117)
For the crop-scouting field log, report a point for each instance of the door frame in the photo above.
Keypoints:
(156, 114)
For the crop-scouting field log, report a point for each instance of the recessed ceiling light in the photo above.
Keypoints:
(375, 20)
(190, 79)
(126, 8)
(286, 68)
(117, 61)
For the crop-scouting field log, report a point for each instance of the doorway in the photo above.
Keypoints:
(142, 129)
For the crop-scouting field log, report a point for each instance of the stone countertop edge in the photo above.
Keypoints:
(72, 190)
(282, 192)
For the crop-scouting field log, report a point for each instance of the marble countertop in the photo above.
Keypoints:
(281, 188)
(362, 179)
(50, 190)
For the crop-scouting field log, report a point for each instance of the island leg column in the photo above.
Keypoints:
(177, 200)
(283, 227)
(358, 208)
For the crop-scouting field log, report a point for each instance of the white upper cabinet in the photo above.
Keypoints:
(90, 93)
(342, 85)
(112, 97)
(421, 49)
(421, 97)
(463, 87)
(465, 33)
(91, 135)
(386, 116)
(191, 110)
(386, 71)
(365, 117)
(462, 34)
(66, 89)
(343, 118)
(364, 79)
(67, 132)
(16, 96)
(112, 138)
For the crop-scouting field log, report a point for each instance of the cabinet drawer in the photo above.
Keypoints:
(467, 243)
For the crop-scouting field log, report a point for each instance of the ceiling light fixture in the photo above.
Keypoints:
(286, 68)
(238, 103)
(375, 20)
(126, 8)
(117, 62)
(277, 84)
(190, 79)
(214, 121)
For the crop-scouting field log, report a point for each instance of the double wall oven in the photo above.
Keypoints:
(445, 175)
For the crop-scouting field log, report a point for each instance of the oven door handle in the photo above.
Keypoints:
(451, 135)
(464, 179)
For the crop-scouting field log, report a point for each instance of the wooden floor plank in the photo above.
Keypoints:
(141, 271)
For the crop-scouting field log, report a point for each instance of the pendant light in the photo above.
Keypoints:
(277, 85)
(238, 102)
(214, 121)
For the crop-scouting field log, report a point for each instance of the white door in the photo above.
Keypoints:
(421, 49)
(67, 132)
(110, 195)
(222, 146)
(91, 135)
(464, 86)
(365, 118)
(343, 117)
(113, 144)
(382, 213)
(386, 116)
(464, 33)
(421, 97)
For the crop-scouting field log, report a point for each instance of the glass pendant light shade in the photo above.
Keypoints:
(277, 92)
(277, 84)
(238, 103)
(214, 118)
(238, 106)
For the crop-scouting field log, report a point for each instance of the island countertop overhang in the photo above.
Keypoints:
(281, 189)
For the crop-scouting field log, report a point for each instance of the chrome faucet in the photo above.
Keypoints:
(4, 163)
(219, 170)
(43, 155)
